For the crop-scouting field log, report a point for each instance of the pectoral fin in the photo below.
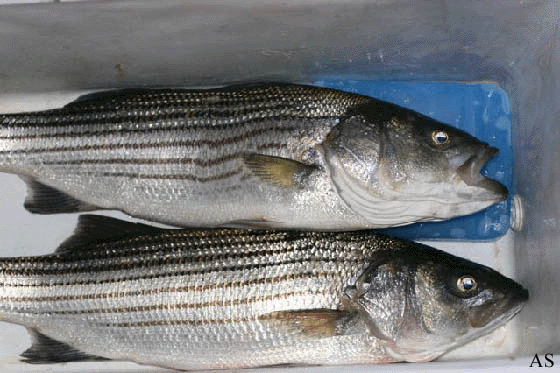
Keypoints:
(320, 323)
(43, 199)
(46, 350)
(279, 171)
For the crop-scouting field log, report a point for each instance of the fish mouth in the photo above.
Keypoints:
(490, 318)
(509, 308)
(469, 172)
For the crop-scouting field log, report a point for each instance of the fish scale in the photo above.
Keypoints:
(209, 295)
(189, 157)
(259, 261)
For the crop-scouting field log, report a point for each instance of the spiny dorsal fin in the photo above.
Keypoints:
(46, 350)
(43, 199)
(93, 229)
(107, 97)
(117, 97)
(279, 171)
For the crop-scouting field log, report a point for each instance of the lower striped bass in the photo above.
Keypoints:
(265, 155)
(212, 299)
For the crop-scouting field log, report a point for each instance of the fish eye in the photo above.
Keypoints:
(440, 137)
(466, 284)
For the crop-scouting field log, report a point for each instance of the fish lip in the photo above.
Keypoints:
(515, 303)
(469, 172)
(514, 307)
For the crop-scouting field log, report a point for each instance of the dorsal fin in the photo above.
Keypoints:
(122, 94)
(46, 350)
(107, 97)
(43, 199)
(93, 229)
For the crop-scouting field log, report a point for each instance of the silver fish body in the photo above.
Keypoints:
(210, 299)
(265, 155)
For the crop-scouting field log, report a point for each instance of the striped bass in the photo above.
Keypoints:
(212, 299)
(265, 155)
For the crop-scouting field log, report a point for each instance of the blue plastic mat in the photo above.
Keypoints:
(483, 110)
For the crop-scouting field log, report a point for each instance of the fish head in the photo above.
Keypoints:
(423, 302)
(387, 160)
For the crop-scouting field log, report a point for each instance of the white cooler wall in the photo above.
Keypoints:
(535, 88)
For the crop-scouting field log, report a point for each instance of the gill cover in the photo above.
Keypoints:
(352, 152)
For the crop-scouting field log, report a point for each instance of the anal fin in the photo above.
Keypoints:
(43, 199)
(46, 350)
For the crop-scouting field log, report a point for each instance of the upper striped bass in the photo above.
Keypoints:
(268, 155)
(208, 299)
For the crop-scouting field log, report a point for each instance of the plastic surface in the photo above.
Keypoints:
(481, 109)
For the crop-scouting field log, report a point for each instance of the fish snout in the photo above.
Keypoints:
(469, 172)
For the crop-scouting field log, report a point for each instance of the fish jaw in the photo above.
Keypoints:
(469, 173)
(413, 355)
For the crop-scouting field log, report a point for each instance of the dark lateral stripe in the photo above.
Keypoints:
(181, 176)
(157, 161)
(145, 251)
(117, 130)
(271, 146)
(135, 146)
(169, 289)
(130, 261)
(173, 241)
(190, 306)
(177, 120)
(165, 273)
(148, 161)
(182, 322)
